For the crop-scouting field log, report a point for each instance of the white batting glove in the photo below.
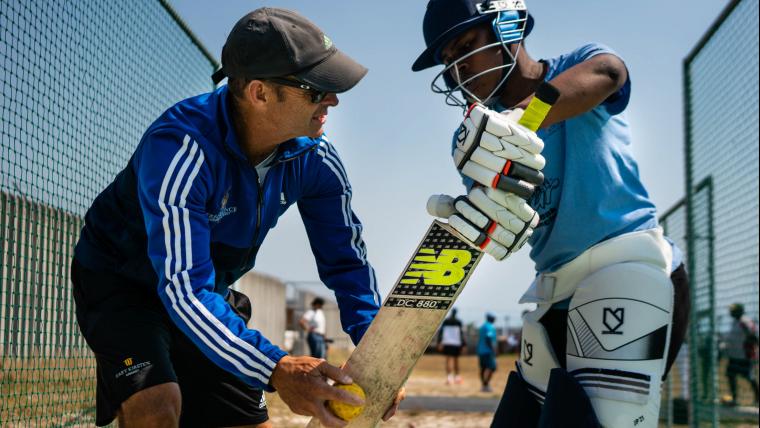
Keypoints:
(493, 221)
(496, 151)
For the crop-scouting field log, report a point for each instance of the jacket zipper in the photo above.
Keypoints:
(258, 205)
(260, 202)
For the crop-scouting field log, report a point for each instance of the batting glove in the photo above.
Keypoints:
(492, 220)
(497, 152)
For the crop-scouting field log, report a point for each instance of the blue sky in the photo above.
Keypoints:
(393, 133)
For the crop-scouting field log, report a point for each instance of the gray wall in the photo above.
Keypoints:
(267, 296)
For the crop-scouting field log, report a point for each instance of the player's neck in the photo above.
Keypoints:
(523, 81)
(256, 135)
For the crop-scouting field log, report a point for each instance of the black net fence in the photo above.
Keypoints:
(81, 81)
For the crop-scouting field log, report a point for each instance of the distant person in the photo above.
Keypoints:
(313, 321)
(487, 352)
(451, 342)
(513, 343)
(740, 347)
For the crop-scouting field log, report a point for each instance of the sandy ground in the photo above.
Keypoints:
(428, 378)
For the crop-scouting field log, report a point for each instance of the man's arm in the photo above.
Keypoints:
(585, 86)
(335, 236)
(174, 179)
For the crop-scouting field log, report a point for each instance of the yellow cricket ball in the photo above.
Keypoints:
(343, 410)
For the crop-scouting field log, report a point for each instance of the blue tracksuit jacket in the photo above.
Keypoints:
(189, 213)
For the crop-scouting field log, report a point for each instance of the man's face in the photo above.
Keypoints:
(486, 59)
(295, 112)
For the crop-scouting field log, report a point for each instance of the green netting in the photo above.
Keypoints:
(703, 338)
(723, 191)
(81, 80)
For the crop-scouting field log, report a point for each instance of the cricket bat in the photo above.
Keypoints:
(418, 303)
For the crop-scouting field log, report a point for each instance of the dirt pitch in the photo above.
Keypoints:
(427, 379)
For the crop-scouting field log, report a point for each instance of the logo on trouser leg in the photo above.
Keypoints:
(263, 402)
(613, 320)
(527, 352)
(131, 367)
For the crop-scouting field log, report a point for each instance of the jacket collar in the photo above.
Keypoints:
(286, 151)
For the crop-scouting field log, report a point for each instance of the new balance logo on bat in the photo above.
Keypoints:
(446, 269)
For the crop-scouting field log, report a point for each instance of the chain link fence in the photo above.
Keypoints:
(81, 81)
(717, 222)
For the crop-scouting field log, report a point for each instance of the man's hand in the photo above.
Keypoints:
(493, 221)
(497, 152)
(302, 385)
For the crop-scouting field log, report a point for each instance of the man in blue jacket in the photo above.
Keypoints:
(185, 219)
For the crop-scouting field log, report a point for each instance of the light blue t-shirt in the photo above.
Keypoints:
(592, 191)
(486, 331)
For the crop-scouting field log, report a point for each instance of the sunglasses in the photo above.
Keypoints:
(316, 96)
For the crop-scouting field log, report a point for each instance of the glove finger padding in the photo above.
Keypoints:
(473, 234)
(503, 127)
(497, 212)
(515, 204)
(443, 206)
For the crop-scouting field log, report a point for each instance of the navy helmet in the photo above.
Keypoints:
(446, 19)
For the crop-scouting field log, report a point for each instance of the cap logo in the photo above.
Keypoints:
(327, 42)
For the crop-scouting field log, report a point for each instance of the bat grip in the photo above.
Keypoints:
(543, 100)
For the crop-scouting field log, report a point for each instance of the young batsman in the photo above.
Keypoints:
(611, 291)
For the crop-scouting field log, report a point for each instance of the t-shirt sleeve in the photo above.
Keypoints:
(617, 102)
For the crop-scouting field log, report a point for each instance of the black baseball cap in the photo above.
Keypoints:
(446, 19)
(273, 42)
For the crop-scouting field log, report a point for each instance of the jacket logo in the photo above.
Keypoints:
(613, 320)
(223, 210)
(447, 269)
(283, 201)
(128, 362)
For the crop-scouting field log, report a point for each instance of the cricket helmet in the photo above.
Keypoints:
(446, 19)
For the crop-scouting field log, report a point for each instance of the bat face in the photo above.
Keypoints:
(436, 273)
(409, 318)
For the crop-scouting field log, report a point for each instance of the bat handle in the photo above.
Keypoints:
(545, 97)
